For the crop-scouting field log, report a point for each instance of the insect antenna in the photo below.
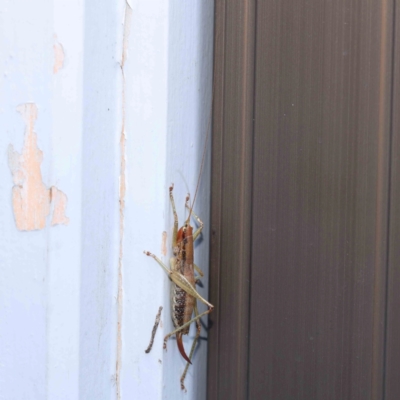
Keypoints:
(204, 150)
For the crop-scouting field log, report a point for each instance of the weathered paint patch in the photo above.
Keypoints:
(164, 244)
(59, 55)
(59, 201)
(32, 200)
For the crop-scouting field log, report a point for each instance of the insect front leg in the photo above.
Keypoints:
(175, 230)
(198, 269)
(199, 221)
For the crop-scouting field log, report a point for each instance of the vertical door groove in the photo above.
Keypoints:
(232, 149)
(392, 344)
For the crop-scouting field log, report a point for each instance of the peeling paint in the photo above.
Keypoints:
(127, 29)
(32, 200)
(59, 55)
(164, 244)
(59, 201)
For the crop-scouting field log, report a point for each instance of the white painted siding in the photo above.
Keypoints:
(123, 95)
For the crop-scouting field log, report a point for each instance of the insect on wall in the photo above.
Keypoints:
(184, 295)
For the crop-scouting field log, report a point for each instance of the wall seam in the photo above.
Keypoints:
(122, 192)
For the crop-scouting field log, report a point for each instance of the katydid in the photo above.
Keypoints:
(183, 282)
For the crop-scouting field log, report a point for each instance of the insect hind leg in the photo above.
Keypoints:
(153, 332)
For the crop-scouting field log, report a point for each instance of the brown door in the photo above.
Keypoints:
(305, 252)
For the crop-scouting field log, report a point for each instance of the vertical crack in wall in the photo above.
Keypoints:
(32, 200)
(122, 191)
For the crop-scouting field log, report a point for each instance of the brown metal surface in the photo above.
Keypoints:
(303, 178)
(392, 365)
(320, 199)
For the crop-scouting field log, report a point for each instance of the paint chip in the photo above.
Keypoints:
(32, 200)
(164, 244)
(59, 55)
(59, 201)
